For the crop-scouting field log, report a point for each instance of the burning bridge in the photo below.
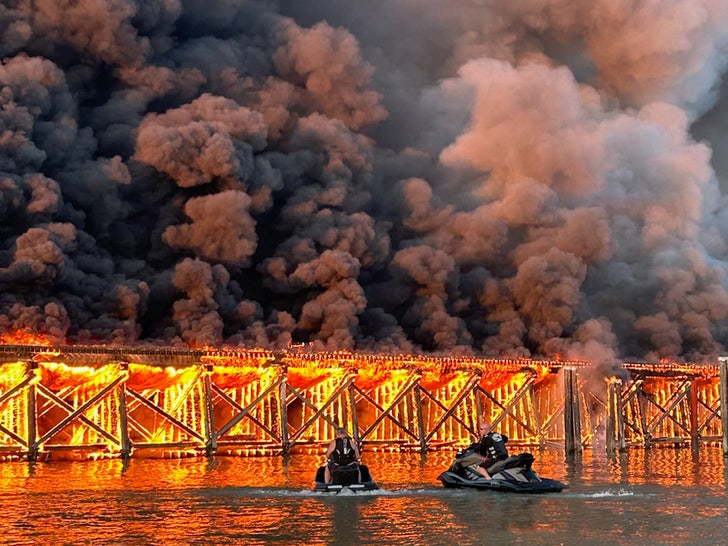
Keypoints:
(99, 401)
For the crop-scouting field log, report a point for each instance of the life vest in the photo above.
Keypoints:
(344, 452)
(496, 447)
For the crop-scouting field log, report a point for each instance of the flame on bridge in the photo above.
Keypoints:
(243, 401)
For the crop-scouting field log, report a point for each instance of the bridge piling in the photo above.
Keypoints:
(723, 368)
(572, 420)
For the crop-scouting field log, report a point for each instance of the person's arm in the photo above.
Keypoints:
(356, 449)
(330, 450)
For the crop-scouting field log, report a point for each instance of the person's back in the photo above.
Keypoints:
(343, 453)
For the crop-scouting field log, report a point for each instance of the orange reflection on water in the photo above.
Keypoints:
(259, 500)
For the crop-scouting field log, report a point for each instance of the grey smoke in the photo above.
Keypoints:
(522, 179)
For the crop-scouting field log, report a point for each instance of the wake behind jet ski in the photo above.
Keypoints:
(343, 469)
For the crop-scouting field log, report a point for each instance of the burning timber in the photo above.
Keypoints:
(98, 401)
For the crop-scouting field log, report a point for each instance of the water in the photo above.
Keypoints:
(662, 496)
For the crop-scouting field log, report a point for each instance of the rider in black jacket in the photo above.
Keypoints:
(491, 447)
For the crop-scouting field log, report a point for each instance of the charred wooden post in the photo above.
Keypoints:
(354, 417)
(723, 367)
(478, 407)
(615, 416)
(692, 393)
(32, 441)
(283, 408)
(125, 450)
(420, 418)
(572, 419)
(209, 413)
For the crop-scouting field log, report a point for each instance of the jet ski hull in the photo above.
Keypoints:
(345, 478)
(543, 485)
(512, 475)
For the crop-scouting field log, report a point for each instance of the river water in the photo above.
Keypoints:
(658, 496)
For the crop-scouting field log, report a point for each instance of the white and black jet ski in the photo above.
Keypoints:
(511, 475)
(346, 477)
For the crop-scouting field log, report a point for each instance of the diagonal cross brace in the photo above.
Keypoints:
(344, 386)
(78, 413)
(244, 411)
(412, 382)
(12, 392)
(467, 389)
(14, 436)
(676, 397)
(714, 414)
(179, 424)
(507, 410)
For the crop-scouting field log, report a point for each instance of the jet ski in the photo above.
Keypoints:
(511, 475)
(346, 477)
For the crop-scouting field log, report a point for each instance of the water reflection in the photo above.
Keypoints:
(637, 496)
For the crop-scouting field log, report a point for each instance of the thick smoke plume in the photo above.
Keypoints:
(531, 178)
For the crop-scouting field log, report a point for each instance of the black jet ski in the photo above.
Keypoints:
(346, 476)
(511, 475)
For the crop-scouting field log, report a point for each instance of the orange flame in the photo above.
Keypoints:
(26, 336)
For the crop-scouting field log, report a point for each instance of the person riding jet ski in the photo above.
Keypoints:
(487, 451)
(342, 451)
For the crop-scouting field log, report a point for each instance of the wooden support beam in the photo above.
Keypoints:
(572, 419)
(467, 389)
(676, 397)
(713, 413)
(535, 414)
(210, 436)
(7, 395)
(692, 393)
(319, 413)
(239, 417)
(124, 417)
(225, 397)
(412, 381)
(283, 409)
(78, 412)
(615, 416)
(418, 390)
(507, 409)
(354, 413)
(306, 402)
(18, 440)
(442, 406)
(723, 370)
(74, 414)
(156, 409)
(32, 374)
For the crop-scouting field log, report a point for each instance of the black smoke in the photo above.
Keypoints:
(499, 179)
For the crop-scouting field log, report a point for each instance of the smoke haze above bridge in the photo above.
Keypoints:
(532, 179)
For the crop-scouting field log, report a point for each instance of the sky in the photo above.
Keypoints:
(536, 178)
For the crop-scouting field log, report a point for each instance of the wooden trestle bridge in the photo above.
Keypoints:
(99, 401)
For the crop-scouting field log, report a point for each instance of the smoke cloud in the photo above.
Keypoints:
(523, 179)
